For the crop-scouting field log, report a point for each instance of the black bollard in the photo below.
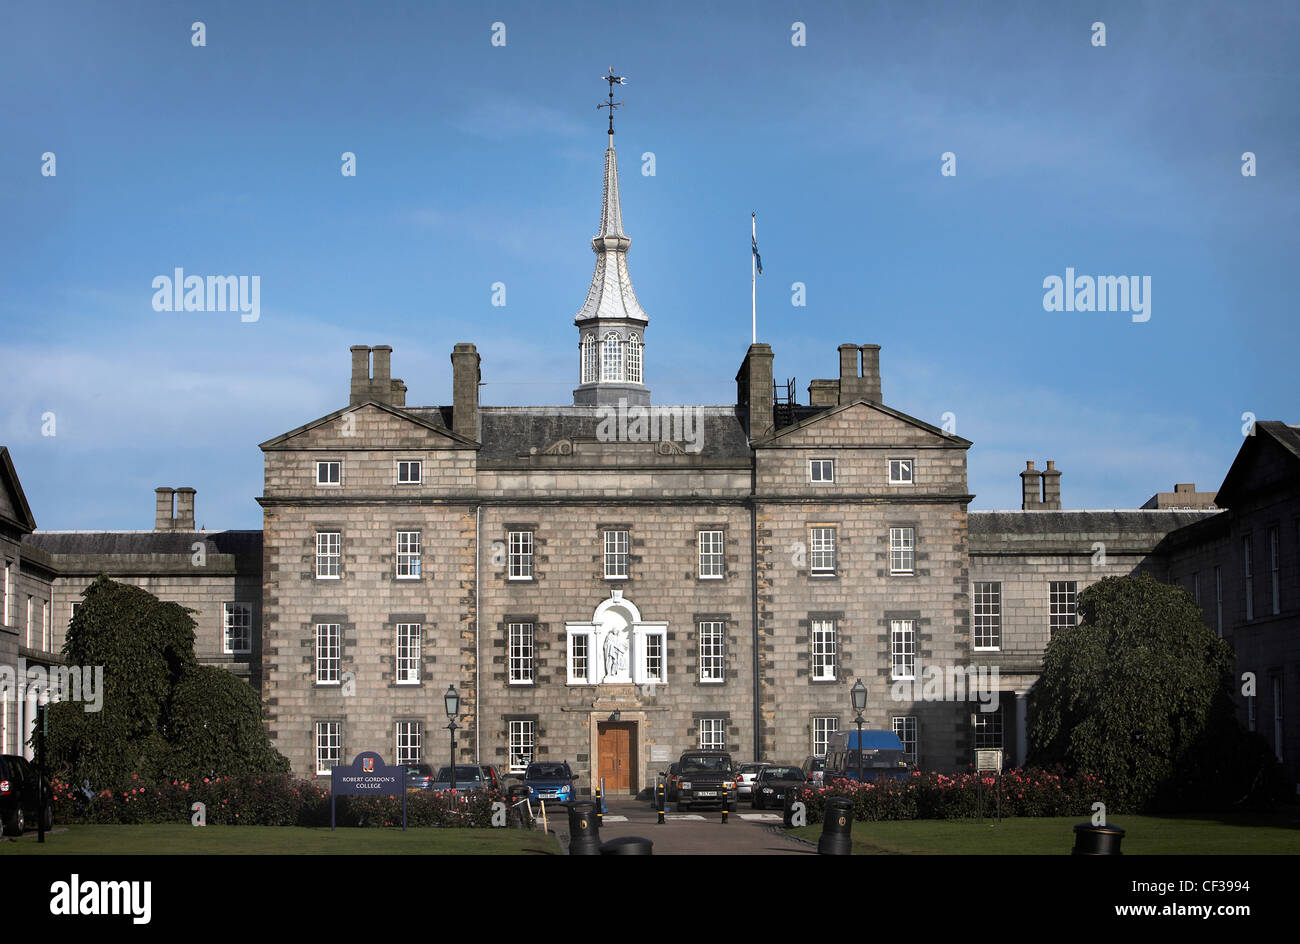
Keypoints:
(628, 845)
(584, 832)
(660, 801)
(600, 808)
(1097, 840)
(725, 803)
(837, 825)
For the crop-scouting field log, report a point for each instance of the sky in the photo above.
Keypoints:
(480, 162)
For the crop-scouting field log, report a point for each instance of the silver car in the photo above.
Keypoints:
(746, 775)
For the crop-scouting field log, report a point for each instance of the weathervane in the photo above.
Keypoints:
(613, 80)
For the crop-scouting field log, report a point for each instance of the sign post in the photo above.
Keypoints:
(367, 775)
(988, 760)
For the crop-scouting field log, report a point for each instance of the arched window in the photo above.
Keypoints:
(611, 359)
(589, 359)
(634, 359)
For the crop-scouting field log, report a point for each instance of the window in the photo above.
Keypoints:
(711, 555)
(713, 663)
(4, 615)
(988, 728)
(1062, 596)
(329, 654)
(521, 555)
(652, 668)
(713, 734)
(329, 746)
(521, 653)
(821, 471)
(1276, 571)
(1250, 712)
(579, 658)
(329, 555)
(1218, 599)
(634, 359)
(238, 621)
(902, 649)
(29, 620)
(988, 615)
(588, 359)
(611, 359)
(900, 472)
(902, 550)
(1196, 587)
(905, 728)
(329, 472)
(615, 555)
(823, 650)
(821, 557)
(523, 738)
(823, 727)
(1249, 574)
(410, 749)
(45, 625)
(73, 616)
(409, 644)
(410, 472)
(1277, 717)
(408, 555)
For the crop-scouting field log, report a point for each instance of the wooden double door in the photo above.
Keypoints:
(616, 745)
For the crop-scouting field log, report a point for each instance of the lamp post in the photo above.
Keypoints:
(858, 693)
(451, 700)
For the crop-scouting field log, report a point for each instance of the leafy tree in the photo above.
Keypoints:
(1139, 694)
(214, 727)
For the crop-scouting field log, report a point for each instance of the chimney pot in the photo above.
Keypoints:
(185, 509)
(163, 519)
(1052, 487)
(1030, 488)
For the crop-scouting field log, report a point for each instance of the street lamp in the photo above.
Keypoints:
(858, 693)
(452, 702)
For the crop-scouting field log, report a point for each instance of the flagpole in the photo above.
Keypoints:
(753, 280)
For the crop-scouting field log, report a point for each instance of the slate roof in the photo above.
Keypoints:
(1019, 532)
(144, 542)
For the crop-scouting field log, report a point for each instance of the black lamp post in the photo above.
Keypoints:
(859, 695)
(452, 702)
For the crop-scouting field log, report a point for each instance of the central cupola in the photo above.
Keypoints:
(611, 323)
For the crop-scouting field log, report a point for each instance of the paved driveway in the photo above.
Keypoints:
(702, 833)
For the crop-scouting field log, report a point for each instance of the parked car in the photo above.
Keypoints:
(746, 774)
(773, 782)
(880, 754)
(419, 776)
(672, 777)
(548, 780)
(20, 796)
(492, 777)
(813, 767)
(707, 777)
(469, 777)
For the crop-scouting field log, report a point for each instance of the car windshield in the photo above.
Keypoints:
(781, 773)
(463, 774)
(546, 772)
(751, 768)
(704, 762)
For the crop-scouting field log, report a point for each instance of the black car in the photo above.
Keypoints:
(20, 796)
(773, 782)
(708, 778)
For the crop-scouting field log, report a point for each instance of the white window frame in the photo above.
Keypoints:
(405, 465)
(821, 550)
(650, 654)
(408, 550)
(713, 652)
(589, 373)
(46, 642)
(521, 653)
(989, 731)
(519, 562)
(329, 654)
(611, 359)
(902, 552)
(614, 557)
(327, 465)
(986, 615)
(230, 613)
(824, 650)
(408, 742)
(522, 744)
(329, 746)
(821, 471)
(713, 734)
(30, 600)
(906, 729)
(1062, 605)
(584, 640)
(632, 359)
(823, 727)
(4, 617)
(902, 649)
(329, 555)
(712, 554)
(896, 465)
(408, 653)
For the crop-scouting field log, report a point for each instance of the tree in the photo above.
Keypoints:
(1139, 694)
(155, 694)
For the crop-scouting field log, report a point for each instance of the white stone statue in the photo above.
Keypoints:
(616, 653)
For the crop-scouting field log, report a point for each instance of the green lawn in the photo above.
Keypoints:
(181, 839)
(1144, 835)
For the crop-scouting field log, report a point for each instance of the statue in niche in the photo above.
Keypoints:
(616, 652)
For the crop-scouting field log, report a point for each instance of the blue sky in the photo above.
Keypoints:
(479, 164)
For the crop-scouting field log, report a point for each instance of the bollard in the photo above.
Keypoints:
(837, 825)
(628, 845)
(787, 809)
(725, 803)
(660, 797)
(600, 808)
(1097, 840)
(584, 831)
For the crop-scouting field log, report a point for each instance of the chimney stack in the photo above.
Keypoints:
(163, 519)
(1030, 487)
(1052, 487)
(465, 376)
(850, 377)
(184, 509)
(754, 390)
(381, 387)
(871, 373)
(360, 374)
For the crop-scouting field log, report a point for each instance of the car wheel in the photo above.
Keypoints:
(15, 823)
(49, 817)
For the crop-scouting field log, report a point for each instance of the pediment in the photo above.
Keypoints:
(864, 424)
(369, 425)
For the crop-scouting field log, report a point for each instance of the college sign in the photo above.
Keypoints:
(367, 775)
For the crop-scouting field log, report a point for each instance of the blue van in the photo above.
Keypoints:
(881, 752)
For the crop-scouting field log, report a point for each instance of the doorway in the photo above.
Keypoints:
(616, 745)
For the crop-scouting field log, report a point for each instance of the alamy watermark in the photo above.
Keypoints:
(1101, 293)
(181, 292)
(83, 683)
(954, 683)
(663, 424)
